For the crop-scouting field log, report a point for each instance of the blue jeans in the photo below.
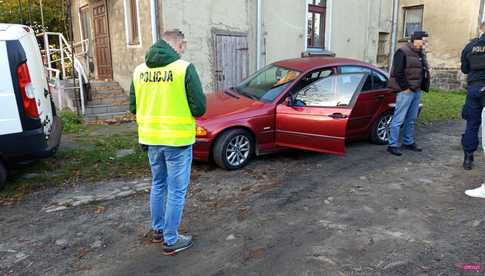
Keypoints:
(171, 168)
(405, 116)
(472, 113)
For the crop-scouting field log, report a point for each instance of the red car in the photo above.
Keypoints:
(313, 103)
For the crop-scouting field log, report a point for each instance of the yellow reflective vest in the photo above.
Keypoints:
(163, 113)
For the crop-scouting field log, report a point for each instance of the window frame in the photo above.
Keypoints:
(314, 9)
(405, 10)
(370, 75)
(129, 27)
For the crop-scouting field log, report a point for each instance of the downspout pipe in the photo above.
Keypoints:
(258, 34)
(153, 15)
(395, 18)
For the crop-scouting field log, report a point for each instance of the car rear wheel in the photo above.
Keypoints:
(233, 149)
(3, 175)
(381, 129)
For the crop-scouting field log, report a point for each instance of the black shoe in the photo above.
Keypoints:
(468, 162)
(394, 151)
(157, 236)
(412, 147)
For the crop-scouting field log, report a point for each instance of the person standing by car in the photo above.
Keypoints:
(409, 77)
(473, 65)
(166, 95)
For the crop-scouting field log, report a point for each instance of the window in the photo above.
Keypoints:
(266, 84)
(86, 37)
(311, 78)
(333, 91)
(316, 24)
(383, 50)
(132, 22)
(379, 81)
(413, 20)
(358, 69)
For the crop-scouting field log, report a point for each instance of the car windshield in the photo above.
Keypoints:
(267, 84)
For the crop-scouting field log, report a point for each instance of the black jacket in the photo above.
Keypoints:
(467, 56)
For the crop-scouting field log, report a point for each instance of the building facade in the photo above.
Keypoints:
(451, 25)
(227, 40)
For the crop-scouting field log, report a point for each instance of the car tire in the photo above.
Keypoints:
(3, 175)
(234, 149)
(380, 129)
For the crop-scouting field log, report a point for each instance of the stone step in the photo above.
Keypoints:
(107, 88)
(108, 94)
(112, 100)
(106, 116)
(104, 83)
(103, 109)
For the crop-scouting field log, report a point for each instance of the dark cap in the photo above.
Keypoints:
(418, 35)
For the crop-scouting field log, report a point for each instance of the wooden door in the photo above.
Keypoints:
(102, 46)
(232, 60)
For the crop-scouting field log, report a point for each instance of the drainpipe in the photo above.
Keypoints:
(395, 18)
(153, 14)
(258, 35)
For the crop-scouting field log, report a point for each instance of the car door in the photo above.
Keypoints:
(315, 117)
(370, 99)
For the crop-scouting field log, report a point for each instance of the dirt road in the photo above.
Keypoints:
(293, 213)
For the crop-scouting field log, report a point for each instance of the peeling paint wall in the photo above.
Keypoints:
(198, 19)
(356, 26)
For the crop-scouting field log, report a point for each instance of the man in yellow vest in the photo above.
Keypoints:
(166, 95)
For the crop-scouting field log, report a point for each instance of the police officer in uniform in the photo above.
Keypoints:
(166, 95)
(473, 64)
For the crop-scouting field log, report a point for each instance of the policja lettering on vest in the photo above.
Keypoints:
(157, 76)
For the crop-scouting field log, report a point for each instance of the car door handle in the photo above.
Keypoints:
(379, 97)
(338, 116)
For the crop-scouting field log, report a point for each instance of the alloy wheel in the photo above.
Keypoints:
(384, 127)
(238, 149)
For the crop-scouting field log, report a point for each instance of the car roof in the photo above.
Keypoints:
(313, 63)
(13, 31)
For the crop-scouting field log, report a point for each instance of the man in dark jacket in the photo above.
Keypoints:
(166, 95)
(473, 64)
(409, 77)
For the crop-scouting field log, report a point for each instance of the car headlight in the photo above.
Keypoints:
(200, 131)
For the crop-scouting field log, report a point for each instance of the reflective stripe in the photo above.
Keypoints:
(164, 120)
(147, 132)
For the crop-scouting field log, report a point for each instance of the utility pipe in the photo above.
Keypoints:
(258, 35)
(154, 17)
(395, 18)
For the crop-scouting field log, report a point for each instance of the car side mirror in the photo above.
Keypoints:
(290, 100)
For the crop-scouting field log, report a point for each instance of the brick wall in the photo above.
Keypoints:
(447, 78)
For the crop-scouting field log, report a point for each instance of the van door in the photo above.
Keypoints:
(39, 80)
(9, 114)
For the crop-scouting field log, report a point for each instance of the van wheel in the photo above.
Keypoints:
(3, 175)
(233, 149)
(381, 129)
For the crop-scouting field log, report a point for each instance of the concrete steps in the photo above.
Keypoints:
(108, 102)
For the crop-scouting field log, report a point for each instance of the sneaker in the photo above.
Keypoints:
(183, 243)
(394, 151)
(478, 192)
(412, 147)
(157, 236)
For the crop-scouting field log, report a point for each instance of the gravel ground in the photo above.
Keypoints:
(293, 213)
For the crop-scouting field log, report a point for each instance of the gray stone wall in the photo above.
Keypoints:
(448, 78)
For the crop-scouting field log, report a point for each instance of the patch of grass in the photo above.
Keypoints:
(442, 105)
(92, 157)
(72, 122)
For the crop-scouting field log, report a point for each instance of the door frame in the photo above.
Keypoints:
(215, 69)
(94, 5)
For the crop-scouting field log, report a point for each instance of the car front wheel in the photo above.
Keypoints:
(233, 149)
(381, 129)
(3, 175)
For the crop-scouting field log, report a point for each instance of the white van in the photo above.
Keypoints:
(29, 126)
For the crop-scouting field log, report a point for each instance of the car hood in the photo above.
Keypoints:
(222, 104)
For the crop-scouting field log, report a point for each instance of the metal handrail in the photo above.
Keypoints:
(65, 51)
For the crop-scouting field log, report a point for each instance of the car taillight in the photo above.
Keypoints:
(27, 91)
